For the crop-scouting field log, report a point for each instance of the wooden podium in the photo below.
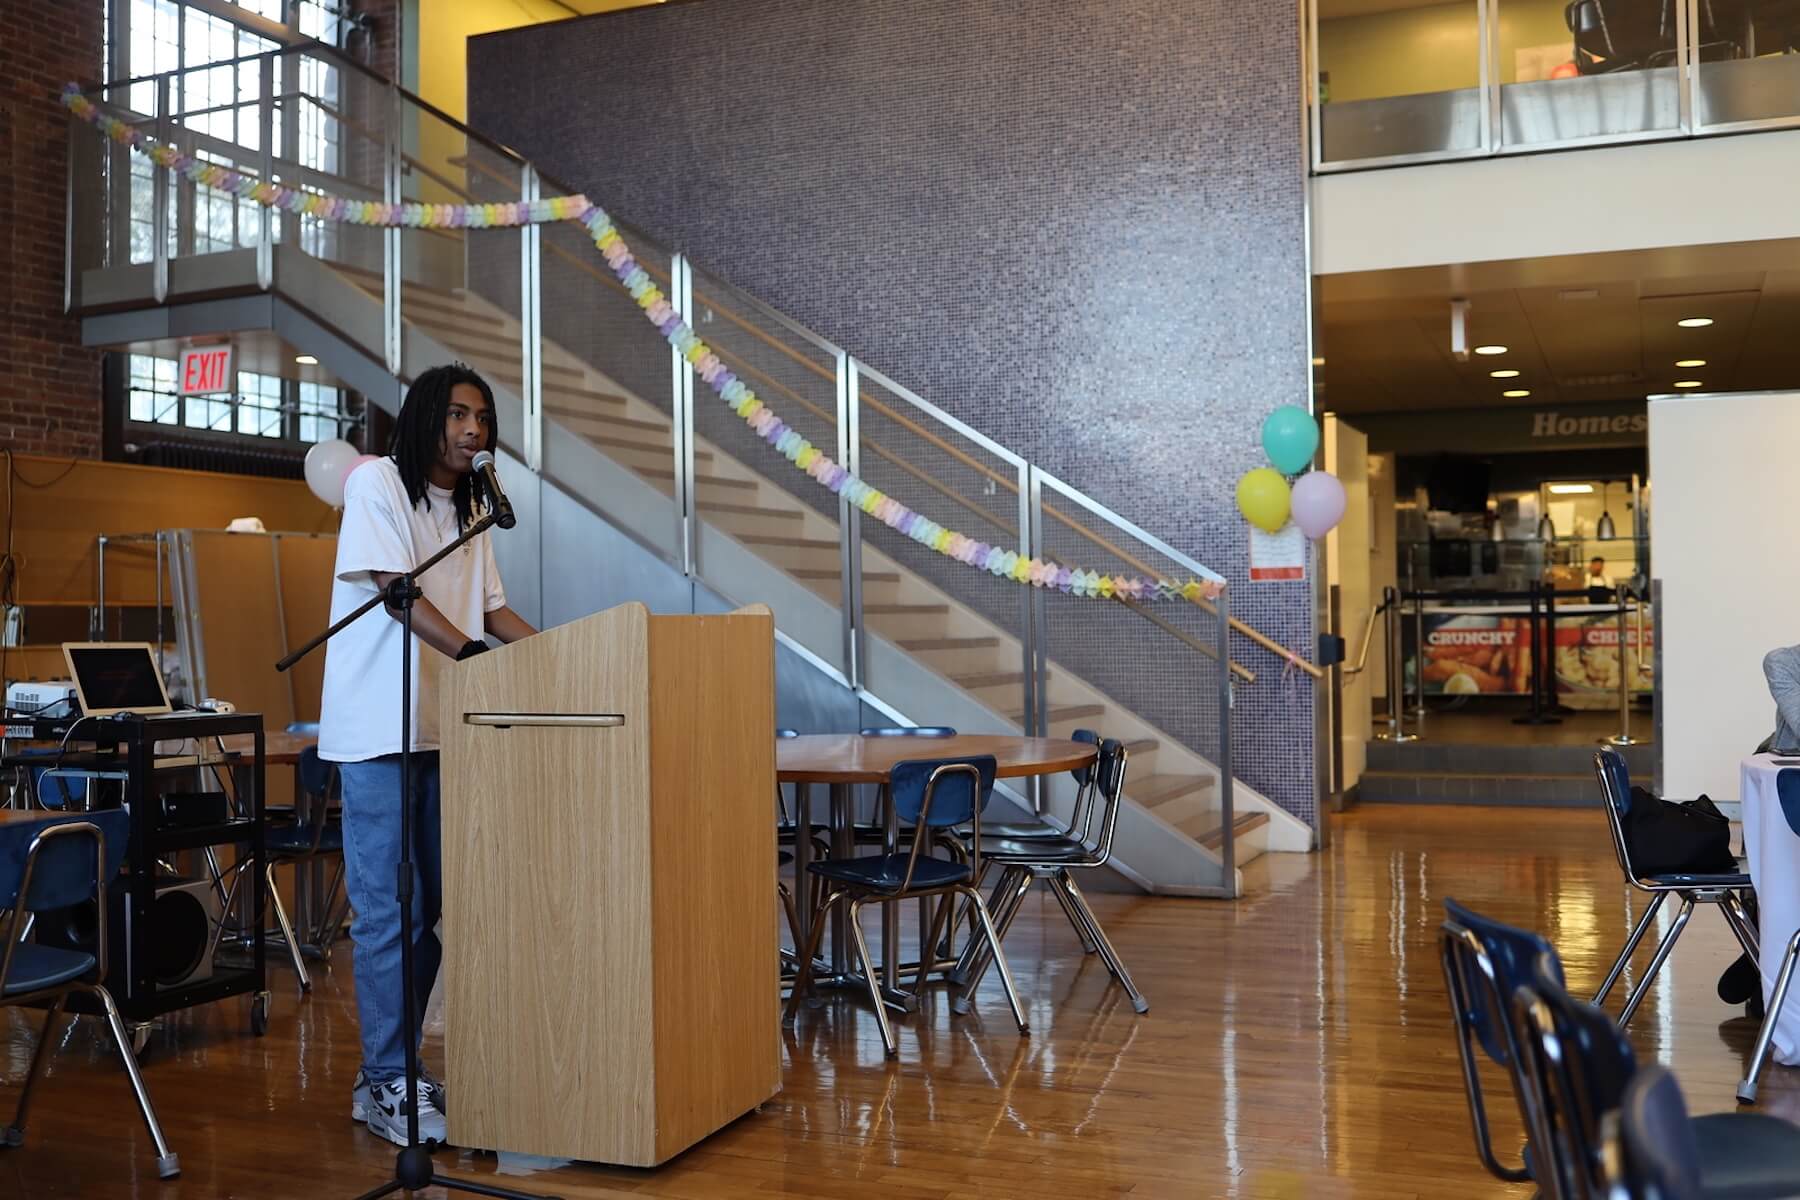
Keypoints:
(611, 955)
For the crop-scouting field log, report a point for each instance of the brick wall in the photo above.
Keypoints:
(49, 384)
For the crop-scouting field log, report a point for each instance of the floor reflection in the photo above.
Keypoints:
(1297, 1045)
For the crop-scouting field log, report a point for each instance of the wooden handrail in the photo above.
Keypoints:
(906, 422)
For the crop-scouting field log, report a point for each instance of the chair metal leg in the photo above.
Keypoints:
(1006, 975)
(940, 916)
(287, 930)
(873, 978)
(803, 979)
(168, 1166)
(1732, 910)
(787, 906)
(1064, 883)
(1746, 1092)
(1088, 944)
(1662, 953)
(14, 1134)
(1009, 897)
(1631, 945)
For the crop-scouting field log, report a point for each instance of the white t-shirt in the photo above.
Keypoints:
(359, 713)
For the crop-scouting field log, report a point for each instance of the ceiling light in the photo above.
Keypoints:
(1490, 349)
(1318, 362)
(1688, 383)
(1690, 362)
(1516, 394)
(1503, 374)
(1694, 322)
(306, 360)
(1571, 489)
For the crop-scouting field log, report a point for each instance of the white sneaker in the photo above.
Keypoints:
(359, 1095)
(387, 1113)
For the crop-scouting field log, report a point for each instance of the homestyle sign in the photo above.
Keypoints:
(1506, 430)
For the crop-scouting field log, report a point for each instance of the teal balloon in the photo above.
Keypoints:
(1290, 437)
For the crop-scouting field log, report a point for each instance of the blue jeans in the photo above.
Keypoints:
(371, 855)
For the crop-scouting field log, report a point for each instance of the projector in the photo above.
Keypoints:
(31, 697)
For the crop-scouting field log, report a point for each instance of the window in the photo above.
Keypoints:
(261, 407)
(214, 115)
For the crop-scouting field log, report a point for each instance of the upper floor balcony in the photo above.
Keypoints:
(1397, 82)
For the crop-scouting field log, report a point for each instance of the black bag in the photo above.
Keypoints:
(1666, 838)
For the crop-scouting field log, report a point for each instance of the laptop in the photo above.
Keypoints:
(117, 677)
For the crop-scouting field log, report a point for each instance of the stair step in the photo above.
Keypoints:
(825, 573)
(600, 439)
(668, 474)
(792, 543)
(1142, 746)
(975, 683)
(1063, 712)
(565, 413)
(905, 609)
(1214, 838)
(1458, 787)
(924, 645)
(752, 510)
(1153, 790)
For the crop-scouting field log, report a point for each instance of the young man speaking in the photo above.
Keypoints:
(398, 512)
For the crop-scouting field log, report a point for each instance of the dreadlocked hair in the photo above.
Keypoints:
(419, 438)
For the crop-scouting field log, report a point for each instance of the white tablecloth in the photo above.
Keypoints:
(1774, 853)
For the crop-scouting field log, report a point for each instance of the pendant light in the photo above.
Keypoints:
(1546, 529)
(1604, 530)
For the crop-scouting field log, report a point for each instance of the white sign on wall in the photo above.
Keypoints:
(1277, 557)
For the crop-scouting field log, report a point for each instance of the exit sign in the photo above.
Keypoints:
(207, 369)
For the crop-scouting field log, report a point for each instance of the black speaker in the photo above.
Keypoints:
(180, 931)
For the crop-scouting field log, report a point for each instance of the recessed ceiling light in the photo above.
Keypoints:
(306, 360)
(1691, 362)
(1571, 489)
(1490, 349)
(1503, 374)
(1694, 322)
(1516, 394)
(1689, 383)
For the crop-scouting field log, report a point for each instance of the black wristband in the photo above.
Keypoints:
(471, 649)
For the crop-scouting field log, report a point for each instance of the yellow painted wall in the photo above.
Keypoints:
(445, 26)
(1427, 49)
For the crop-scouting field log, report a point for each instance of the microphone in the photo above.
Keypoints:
(484, 463)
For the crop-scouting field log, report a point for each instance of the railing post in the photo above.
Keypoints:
(681, 410)
(531, 328)
(265, 220)
(391, 246)
(159, 201)
(1228, 845)
(1492, 119)
(1687, 67)
(1028, 630)
(849, 454)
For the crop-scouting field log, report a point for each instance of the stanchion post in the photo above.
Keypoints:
(1623, 737)
(1541, 653)
(1396, 697)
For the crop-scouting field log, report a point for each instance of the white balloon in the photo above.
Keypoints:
(327, 465)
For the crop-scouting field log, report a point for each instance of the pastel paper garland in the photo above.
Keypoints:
(788, 442)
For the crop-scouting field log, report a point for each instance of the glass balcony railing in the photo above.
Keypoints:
(1397, 82)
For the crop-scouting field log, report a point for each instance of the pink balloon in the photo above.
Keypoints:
(1318, 503)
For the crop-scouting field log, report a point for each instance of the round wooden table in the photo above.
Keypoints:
(847, 758)
(843, 760)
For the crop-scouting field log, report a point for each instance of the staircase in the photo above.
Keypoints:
(938, 642)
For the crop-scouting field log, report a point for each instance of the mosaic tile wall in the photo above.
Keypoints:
(1075, 224)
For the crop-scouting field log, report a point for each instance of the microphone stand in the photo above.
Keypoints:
(413, 1169)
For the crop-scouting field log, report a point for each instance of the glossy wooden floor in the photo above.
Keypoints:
(1297, 1047)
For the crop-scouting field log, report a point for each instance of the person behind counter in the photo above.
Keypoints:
(1598, 583)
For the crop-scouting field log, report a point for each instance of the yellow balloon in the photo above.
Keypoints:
(1263, 497)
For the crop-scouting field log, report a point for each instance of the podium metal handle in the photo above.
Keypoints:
(506, 720)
